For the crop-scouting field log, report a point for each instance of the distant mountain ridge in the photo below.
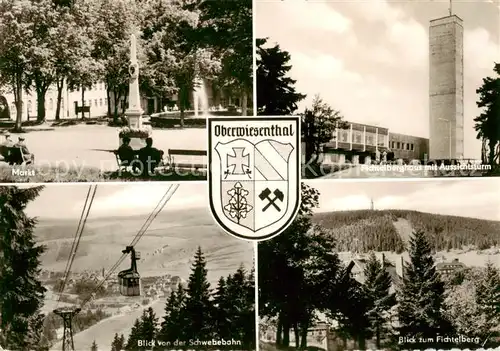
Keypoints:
(167, 247)
(389, 230)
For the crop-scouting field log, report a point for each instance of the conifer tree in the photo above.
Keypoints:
(377, 288)
(118, 343)
(173, 326)
(148, 325)
(488, 297)
(122, 343)
(199, 307)
(134, 337)
(241, 307)
(222, 309)
(93, 347)
(21, 293)
(421, 299)
(352, 313)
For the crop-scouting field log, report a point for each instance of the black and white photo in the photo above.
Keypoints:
(385, 88)
(118, 89)
(385, 265)
(121, 267)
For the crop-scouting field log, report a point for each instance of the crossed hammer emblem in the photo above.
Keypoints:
(265, 195)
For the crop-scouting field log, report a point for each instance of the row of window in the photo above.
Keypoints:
(402, 146)
(50, 105)
(89, 102)
(95, 86)
(357, 138)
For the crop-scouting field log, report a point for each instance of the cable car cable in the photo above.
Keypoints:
(141, 232)
(73, 254)
(74, 245)
(161, 204)
(61, 288)
(163, 201)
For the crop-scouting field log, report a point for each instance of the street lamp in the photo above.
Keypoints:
(449, 132)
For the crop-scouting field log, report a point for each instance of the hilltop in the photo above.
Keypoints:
(167, 247)
(389, 230)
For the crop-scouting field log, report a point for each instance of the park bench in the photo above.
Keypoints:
(15, 156)
(122, 165)
(125, 165)
(173, 164)
(82, 110)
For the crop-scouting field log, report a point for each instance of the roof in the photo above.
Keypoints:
(453, 16)
(449, 265)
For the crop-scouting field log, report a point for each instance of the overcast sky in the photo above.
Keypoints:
(369, 59)
(464, 197)
(67, 200)
(476, 197)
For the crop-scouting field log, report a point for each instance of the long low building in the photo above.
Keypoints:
(96, 99)
(361, 143)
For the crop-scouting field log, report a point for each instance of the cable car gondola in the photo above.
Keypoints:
(129, 279)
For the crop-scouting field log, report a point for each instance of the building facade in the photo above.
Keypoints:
(96, 98)
(446, 88)
(363, 143)
(409, 147)
(450, 268)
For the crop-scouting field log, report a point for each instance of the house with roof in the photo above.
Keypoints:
(358, 270)
(449, 268)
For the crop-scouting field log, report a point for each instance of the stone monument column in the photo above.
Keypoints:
(134, 111)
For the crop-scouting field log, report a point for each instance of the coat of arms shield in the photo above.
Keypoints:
(254, 174)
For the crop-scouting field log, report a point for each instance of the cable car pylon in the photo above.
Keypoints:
(67, 314)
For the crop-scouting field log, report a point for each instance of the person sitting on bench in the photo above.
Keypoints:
(6, 146)
(150, 157)
(127, 154)
(27, 156)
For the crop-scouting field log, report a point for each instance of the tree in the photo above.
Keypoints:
(487, 123)
(169, 32)
(352, 312)
(276, 94)
(73, 47)
(238, 308)
(464, 311)
(227, 27)
(93, 347)
(381, 300)
(318, 125)
(112, 48)
(21, 293)
(149, 324)
(198, 311)
(304, 255)
(222, 306)
(16, 28)
(421, 299)
(172, 326)
(41, 55)
(118, 343)
(488, 297)
(134, 337)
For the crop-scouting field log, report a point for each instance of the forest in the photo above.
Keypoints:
(196, 314)
(366, 230)
(224, 317)
(422, 309)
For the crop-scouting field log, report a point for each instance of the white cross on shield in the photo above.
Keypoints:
(254, 176)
